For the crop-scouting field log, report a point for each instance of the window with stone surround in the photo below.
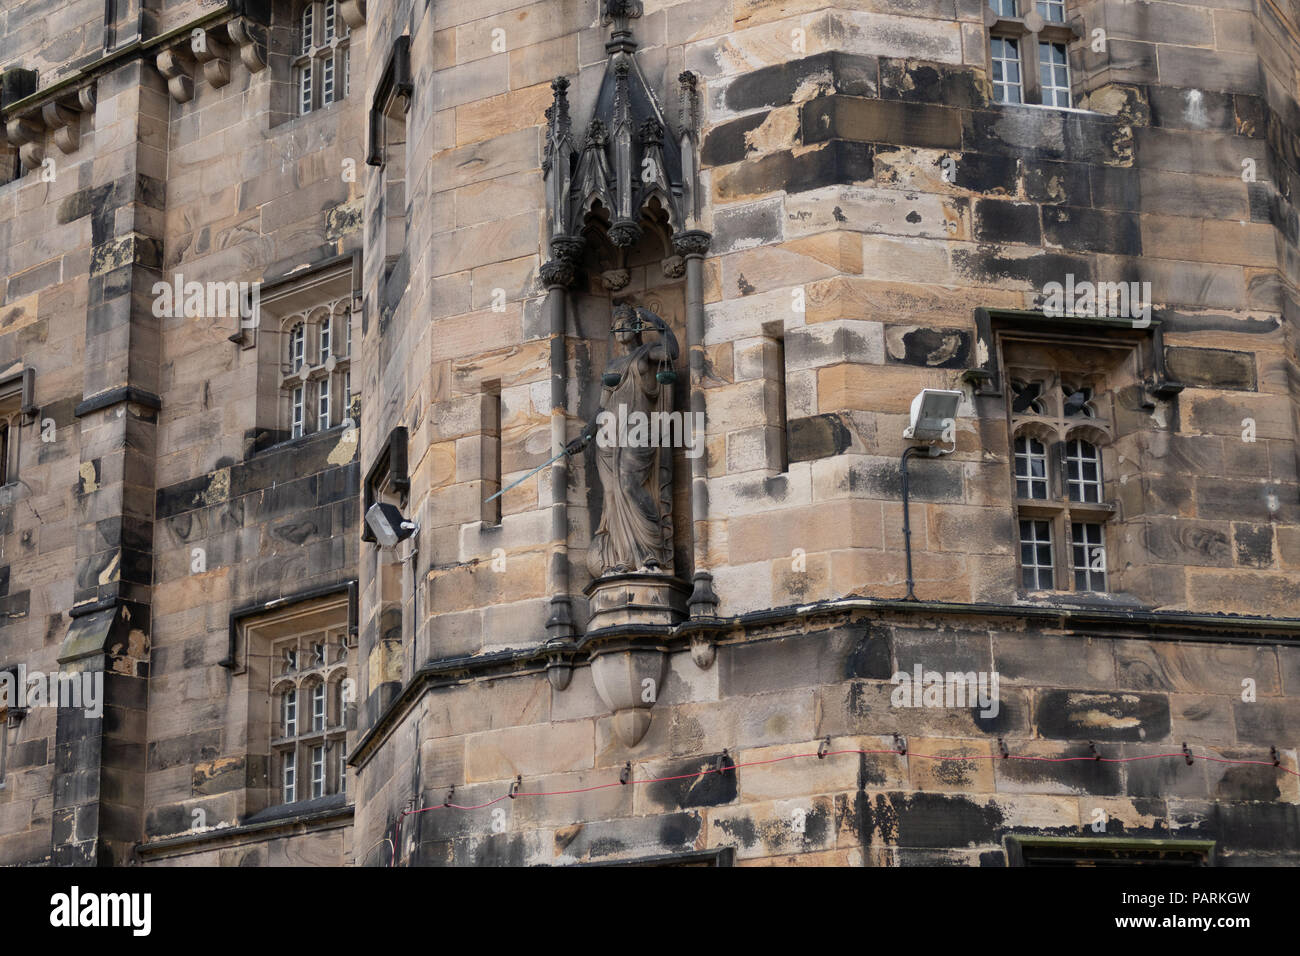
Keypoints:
(297, 663)
(305, 355)
(316, 384)
(1029, 60)
(308, 737)
(15, 391)
(321, 57)
(1060, 422)
(386, 150)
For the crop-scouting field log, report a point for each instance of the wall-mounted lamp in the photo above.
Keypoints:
(388, 525)
(934, 412)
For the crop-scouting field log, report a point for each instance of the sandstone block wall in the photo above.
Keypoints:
(865, 198)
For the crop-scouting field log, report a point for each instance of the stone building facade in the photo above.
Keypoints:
(267, 265)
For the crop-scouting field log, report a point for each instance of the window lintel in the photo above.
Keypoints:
(1101, 331)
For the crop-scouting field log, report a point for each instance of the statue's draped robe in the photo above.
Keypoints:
(636, 523)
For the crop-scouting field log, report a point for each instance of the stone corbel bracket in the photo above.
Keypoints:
(211, 48)
(61, 118)
(28, 134)
(210, 51)
(703, 650)
(628, 675)
(354, 13)
(176, 64)
(251, 40)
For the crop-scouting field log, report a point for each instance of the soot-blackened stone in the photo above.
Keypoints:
(998, 221)
(726, 144)
(1095, 715)
(932, 820)
(987, 263)
(1052, 182)
(1254, 544)
(818, 436)
(987, 174)
(1092, 230)
(931, 83)
(870, 657)
(700, 790)
(848, 73)
(930, 348)
(881, 121)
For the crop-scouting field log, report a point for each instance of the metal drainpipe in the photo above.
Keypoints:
(560, 624)
(907, 528)
(703, 600)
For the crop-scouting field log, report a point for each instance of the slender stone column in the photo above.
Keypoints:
(692, 246)
(557, 274)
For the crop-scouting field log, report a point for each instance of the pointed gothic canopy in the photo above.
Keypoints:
(627, 177)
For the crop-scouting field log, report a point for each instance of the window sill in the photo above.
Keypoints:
(325, 812)
(296, 119)
(299, 810)
(1051, 507)
(1077, 599)
(1053, 109)
(302, 440)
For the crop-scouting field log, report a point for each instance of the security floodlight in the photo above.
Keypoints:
(388, 524)
(932, 411)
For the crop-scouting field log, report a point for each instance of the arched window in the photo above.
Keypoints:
(297, 347)
(317, 394)
(311, 731)
(297, 412)
(323, 404)
(1083, 471)
(1058, 424)
(337, 703)
(289, 713)
(1031, 468)
(318, 701)
(307, 35)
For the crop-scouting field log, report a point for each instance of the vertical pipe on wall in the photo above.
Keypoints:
(559, 626)
(692, 245)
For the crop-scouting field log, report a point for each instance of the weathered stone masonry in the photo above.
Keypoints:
(864, 222)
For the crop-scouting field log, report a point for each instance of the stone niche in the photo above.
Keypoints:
(620, 200)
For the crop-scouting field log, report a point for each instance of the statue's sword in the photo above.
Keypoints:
(638, 327)
(515, 484)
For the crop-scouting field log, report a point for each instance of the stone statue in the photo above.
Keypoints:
(634, 463)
